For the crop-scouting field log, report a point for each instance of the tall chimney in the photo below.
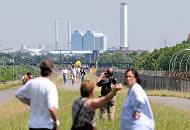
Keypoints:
(123, 26)
(69, 34)
(56, 33)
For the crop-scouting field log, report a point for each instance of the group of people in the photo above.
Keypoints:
(42, 97)
(75, 72)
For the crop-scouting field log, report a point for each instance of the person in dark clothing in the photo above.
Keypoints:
(82, 73)
(106, 81)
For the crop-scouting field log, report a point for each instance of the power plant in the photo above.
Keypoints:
(90, 40)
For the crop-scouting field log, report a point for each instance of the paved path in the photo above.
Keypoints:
(69, 86)
(6, 95)
(180, 103)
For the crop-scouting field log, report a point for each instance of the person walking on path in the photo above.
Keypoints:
(83, 109)
(73, 74)
(42, 97)
(82, 73)
(64, 73)
(136, 113)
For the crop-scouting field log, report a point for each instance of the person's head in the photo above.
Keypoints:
(29, 74)
(64, 67)
(132, 77)
(109, 72)
(73, 66)
(87, 87)
(46, 67)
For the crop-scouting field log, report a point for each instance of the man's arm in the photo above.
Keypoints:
(52, 99)
(99, 83)
(24, 100)
(54, 116)
(23, 94)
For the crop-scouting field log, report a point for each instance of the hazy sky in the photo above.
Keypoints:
(152, 23)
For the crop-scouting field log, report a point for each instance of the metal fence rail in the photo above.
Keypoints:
(157, 82)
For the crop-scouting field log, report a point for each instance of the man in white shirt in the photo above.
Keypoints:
(64, 73)
(42, 97)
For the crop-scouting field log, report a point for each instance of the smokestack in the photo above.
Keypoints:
(56, 33)
(69, 34)
(123, 26)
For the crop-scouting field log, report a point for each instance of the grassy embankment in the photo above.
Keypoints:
(14, 115)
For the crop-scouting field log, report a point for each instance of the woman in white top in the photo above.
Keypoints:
(137, 113)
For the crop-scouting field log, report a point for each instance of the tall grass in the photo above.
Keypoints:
(9, 84)
(168, 93)
(15, 115)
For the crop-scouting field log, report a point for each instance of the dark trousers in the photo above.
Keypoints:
(41, 129)
(86, 127)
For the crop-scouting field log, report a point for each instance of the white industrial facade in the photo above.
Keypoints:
(88, 41)
(123, 25)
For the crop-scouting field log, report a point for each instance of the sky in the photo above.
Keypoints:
(152, 23)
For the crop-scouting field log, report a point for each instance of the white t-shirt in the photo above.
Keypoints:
(43, 95)
(73, 71)
(64, 71)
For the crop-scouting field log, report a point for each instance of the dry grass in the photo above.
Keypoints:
(9, 84)
(14, 115)
(168, 93)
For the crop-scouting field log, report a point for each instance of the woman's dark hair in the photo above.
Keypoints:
(46, 67)
(28, 73)
(135, 74)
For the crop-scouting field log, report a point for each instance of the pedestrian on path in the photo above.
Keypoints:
(82, 73)
(83, 110)
(64, 73)
(73, 74)
(42, 97)
(137, 113)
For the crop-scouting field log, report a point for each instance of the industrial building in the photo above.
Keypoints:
(33, 51)
(81, 41)
(77, 41)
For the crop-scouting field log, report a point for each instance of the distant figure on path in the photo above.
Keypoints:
(137, 113)
(64, 73)
(42, 97)
(73, 74)
(82, 73)
(83, 110)
(27, 77)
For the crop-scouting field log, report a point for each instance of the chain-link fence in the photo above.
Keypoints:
(156, 81)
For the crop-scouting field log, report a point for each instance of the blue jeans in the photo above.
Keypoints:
(82, 77)
(65, 78)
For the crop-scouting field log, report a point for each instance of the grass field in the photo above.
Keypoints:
(167, 93)
(9, 84)
(14, 115)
